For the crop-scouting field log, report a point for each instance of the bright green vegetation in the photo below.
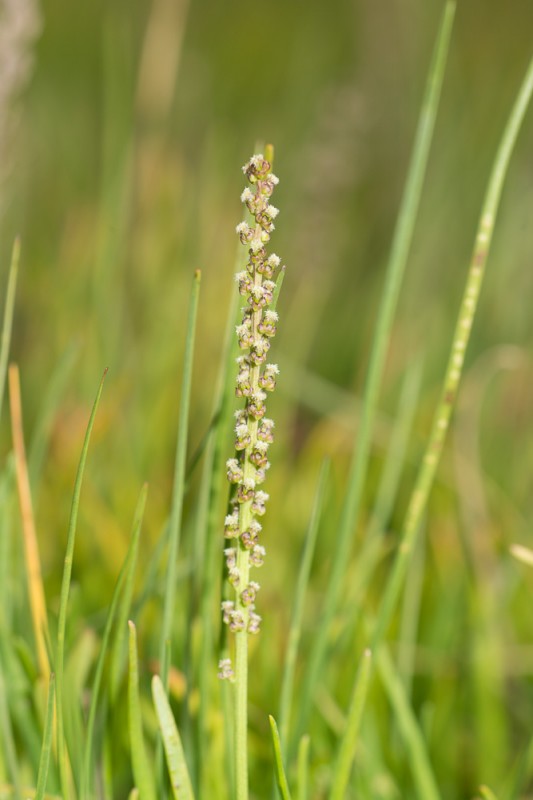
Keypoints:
(395, 653)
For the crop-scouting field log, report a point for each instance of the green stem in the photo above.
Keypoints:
(403, 235)
(441, 420)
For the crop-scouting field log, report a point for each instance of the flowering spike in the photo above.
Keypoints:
(253, 430)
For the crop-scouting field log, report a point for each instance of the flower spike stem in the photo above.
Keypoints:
(254, 434)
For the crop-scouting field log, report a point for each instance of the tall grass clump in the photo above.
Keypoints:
(167, 691)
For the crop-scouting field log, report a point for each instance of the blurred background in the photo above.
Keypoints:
(124, 126)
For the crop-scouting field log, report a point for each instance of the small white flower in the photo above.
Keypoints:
(272, 211)
(261, 447)
(241, 429)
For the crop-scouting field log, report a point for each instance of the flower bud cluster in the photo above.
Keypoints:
(255, 379)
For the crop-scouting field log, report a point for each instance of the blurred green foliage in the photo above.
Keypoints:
(126, 179)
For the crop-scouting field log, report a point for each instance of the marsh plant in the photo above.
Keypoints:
(253, 436)
(338, 718)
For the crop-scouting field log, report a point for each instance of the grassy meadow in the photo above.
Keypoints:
(396, 643)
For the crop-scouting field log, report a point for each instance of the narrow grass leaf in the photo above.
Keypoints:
(372, 548)
(287, 688)
(348, 742)
(63, 603)
(177, 766)
(281, 778)
(424, 778)
(124, 593)
(142, 768)
(44, 761)
(302, 788)
(125, 579)
(7, 324)
(398, 257)
(441, 420)
(179, 476)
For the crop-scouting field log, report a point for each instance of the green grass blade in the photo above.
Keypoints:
(281, 778)
(177, 766)
(179, 476)
(127, 575)
(8, 739)
(287, 687)
(413, 738)
(63, 603)
(142, 769)
(125, 578)
(441, 420)
(349, 740)
(7, 324)
(372, 549)
(44, 761)
(303, 768)
(400, 246)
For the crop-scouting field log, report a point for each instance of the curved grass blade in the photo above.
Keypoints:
(44, 761)
(398, 257)
(177, 766)
(63, 603)
(349, 740)
(125, 578)
(7, 324)
(441, 420)
(408, 726)
(142, 770)
(281, 778)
